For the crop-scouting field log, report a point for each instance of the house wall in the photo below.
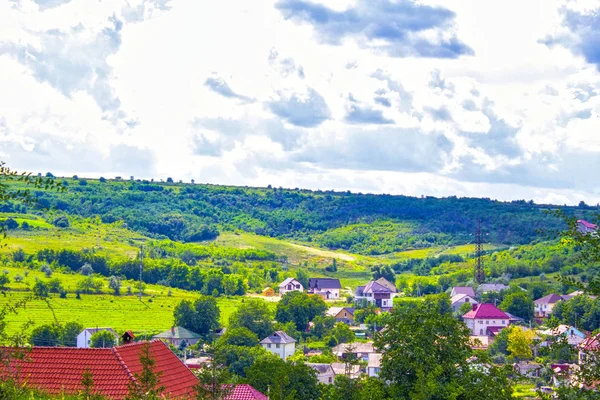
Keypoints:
(83, 339)
(373, 371)
(333, 293)
(345, 317)
(456, 305)
(326, 378)
(282, 350)
(479, 326)
(290, 287)
(543, 310)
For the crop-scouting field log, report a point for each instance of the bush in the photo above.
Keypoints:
(61, 222)
(18, 278)
(18, 255)
(54, 285)
(40, 289)
(86, 270)
(4, 280)
(102, 339)
(46, 270)
(11, 224)
(62, 293)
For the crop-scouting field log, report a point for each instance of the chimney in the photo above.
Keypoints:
(173, 331)
(474, 306)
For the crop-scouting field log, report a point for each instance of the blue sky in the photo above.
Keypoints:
(496, 99)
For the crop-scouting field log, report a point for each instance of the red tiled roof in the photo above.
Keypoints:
(486, 311)
(245, 392)
(591, 343)
(60, 369)
(587, 224)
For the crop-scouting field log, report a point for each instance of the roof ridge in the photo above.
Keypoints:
(122, 363)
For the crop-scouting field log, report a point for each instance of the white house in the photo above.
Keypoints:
(290, 285)
(83, 339)
(486, 319)
(325, 373)
(380, 293)
(544, 305)
(280, 344)
(460, 299)
(360, 350)
(374, 365)
(328, 288)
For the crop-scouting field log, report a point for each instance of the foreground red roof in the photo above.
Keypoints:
(60, 369)
(245, 392)
(486, 311)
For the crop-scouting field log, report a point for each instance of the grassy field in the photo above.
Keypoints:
(106, 239)
(524, 391)
(125, 312)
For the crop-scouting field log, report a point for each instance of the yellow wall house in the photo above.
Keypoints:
(268, 292)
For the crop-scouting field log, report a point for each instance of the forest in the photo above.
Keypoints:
(361, 223)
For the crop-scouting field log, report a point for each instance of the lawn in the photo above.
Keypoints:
(524, 391)
(125, 312)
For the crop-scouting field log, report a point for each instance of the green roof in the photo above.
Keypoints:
(177, 333)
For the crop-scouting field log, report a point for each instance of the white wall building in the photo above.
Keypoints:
(486, 319)
(325, 373)
(290, 285)
(374, 365)
(83, 339)
(280, 344)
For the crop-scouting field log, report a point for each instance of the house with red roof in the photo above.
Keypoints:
(60, 369)
(244, 392)
(486, 319)
(586, 227)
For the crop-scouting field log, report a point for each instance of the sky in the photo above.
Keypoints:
(478, 98)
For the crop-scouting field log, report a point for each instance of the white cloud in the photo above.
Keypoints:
(233, 92)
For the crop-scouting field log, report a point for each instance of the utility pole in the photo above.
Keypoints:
(479, 275)
(141, 268)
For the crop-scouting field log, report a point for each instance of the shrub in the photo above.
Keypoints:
(40, 289)
(18, 255)
(86, 270)
(61, 222)
(62, 293)
(18, 278)
(46, 270)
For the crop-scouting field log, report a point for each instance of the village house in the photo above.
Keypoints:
(268, 292)
(491, 287)
(58, 370)
(380, 293)
(328, 288)
(290, 285)
(280, 343)
(589, 347)
(586, 227)
(528, 369)
(325, 373)
(460, 299)
(486, 319)
(374, 364)
(572, 335)
(468, 290)
(85, 336)
(352, 371)
(360, 350)
(544, 305)
(561, 373)
(341, 314)
(176, 335)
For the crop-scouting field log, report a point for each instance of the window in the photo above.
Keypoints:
(466, 299)
(481, 332)
(487, 322)
(269, 345)
(330, 380)
(277, 345)
(480, 321)
(503, 322)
